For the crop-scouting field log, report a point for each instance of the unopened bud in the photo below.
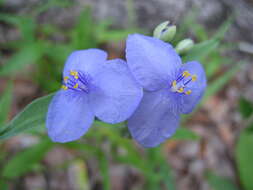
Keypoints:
(165, 31)
(184, 46)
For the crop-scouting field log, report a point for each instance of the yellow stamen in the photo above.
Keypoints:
(188, 92)
(174, 83)
(180, 90)
(186, 74)
(66, 78)
(64, 87)
(74, 73)
(76, 85)
(194, 78)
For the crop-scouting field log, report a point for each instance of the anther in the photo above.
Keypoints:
(174, 83)
(188, 92)
(180, 90)
(74, 73)
(65, 78)
(194, 78)
(186, 74)
(64, 87)
(76, 80)
(76, 85)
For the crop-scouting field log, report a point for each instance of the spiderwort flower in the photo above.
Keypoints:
(170, 88)
(91, 87)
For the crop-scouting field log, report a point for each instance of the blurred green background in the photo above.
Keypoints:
(212, 150)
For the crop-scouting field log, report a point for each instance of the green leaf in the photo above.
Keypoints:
(104, 168)
(223, 29)
(220, 183)
(11, 19)
(2, 2)
(201, 50)
(4, 185)
(217, 84)
(113, 35)
(83, 33)
(157, 163)
(214, 64)
(80, 177)
(26, 25)
(24, 161)
(28, 55)
(50, 4)
(185, 134)
(245, 107)
(33, 116)
(5, 104)
(244, 158)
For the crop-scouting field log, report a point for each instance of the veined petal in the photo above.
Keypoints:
(151, 61)
(116, 94)
(196, 87)
(69, 116)
(153, 121)
(87, 61)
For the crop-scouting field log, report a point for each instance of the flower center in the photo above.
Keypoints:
(76, 81)
(179, 85)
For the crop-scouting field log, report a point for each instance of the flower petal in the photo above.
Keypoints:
(153, 121)
(197, 87)
(151, 61)
(87, 61)
(116, 94)
(69, 116)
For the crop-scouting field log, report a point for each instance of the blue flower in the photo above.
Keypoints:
(91, 87)
(170, 88)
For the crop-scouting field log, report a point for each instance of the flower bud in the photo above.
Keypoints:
(165, 31)
(184, 46)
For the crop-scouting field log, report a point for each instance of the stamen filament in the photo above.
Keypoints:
(180, 83)
(76, 81)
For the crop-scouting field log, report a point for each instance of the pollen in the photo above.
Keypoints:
(194, 78)
(180, 90)
(188, 92)
(65, 78)
(186, 74)
(76, 85)
(74, 73)
(64, 87)
(174, 83)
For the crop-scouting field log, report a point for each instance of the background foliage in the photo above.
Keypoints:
(37, 54)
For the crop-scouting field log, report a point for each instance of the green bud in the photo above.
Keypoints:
(165, 32)
(184, 46)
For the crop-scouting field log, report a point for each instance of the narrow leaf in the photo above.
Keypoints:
(24, 161)
(244, 158)
(32, 116)
(5, 104)
(220, 183)
(245, 107)
(185, 134)
(28, 55)
(217, 84)
(201, 50)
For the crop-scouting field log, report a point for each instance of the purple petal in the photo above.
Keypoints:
(87, 61)
(188, 102)
(116, 94)
(69, 116)
(153, 121)
(151, 61)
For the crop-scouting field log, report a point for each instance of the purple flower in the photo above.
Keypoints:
(170, 88)
(91, 87)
